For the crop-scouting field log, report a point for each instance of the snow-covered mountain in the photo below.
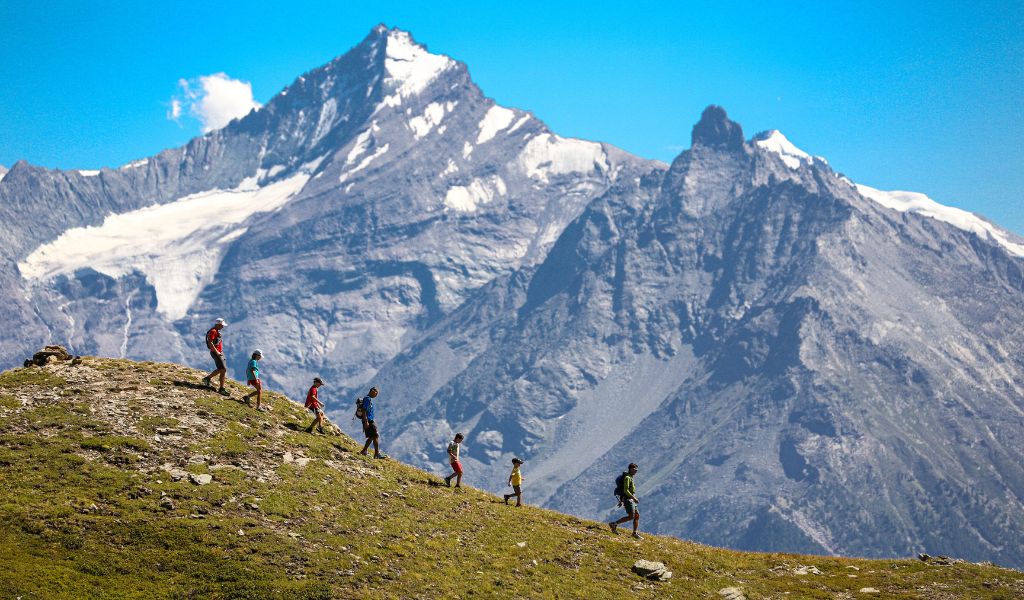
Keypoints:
(797, 361)
(331, 226)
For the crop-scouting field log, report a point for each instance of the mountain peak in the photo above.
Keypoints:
(409, 66)
(774, 141)
(716, 130)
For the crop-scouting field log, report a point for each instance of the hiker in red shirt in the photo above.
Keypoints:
(313, 403)
(215, 342)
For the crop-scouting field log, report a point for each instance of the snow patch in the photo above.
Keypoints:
(362, 143)
(467, 149)
(923, 205)
(450, 169)
(496, 119)
(466, 198)
(365, 163)
(548, 154)
(84, 172)
(135, 164)
(178, 246)
(793, 157)
(430, 118)
(519, 123)
(328, 117)
(410, 68)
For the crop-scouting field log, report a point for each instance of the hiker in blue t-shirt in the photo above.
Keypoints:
(369, 426)
(252, 377)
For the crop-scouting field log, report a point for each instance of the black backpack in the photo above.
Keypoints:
(620, 482)
(360, 411)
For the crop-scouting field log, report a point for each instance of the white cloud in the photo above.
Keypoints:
(175, 112)
(213, 99)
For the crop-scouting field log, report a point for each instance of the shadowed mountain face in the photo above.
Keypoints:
(360, 205)
(792, 366)
(795, 361)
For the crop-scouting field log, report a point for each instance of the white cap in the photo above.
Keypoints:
(258, 351)
(221, 322)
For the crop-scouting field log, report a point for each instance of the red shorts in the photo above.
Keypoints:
(457, 467)
(255, 383)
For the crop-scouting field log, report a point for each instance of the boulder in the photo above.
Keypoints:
(48, 355)
(732, 593)
(654, 571)
(202, 479)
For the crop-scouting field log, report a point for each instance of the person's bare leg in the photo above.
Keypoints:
(376, 446)
(519, 498)
(366, 446)
(636, 521)
(259, 396)
(223, 373)
(458, 480)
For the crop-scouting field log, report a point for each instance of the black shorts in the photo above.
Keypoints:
(217, 360)
(370, 430)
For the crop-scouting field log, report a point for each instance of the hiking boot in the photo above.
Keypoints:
(321, 430)
(636, 536)
(448, 481)
(223, 392)
(207, 382)
(614, 527)
(506, 500)
(382, 456)
(309, 429)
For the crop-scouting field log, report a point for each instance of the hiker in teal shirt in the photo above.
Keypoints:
(252, 376)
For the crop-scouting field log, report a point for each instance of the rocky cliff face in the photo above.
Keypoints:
(793, 366)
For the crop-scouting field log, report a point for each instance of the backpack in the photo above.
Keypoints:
(206, 338)
(360, 411)
(620, 482)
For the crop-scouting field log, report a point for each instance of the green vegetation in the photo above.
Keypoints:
(99, 501)
(31, 376)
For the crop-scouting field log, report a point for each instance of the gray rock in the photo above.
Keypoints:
(652, 570)
(732, 593)
(806, 570)
(200, 479)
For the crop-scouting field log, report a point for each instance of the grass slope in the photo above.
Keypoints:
(89, 507)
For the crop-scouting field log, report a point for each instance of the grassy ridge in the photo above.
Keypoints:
(97, 501)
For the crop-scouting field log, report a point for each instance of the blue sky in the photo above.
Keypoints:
(924, 96)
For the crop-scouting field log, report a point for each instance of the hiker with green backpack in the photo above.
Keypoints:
(625, 491)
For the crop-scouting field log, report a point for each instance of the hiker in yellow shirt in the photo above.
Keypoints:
(515, 479)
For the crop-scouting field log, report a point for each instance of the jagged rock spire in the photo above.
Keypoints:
(715, 130)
